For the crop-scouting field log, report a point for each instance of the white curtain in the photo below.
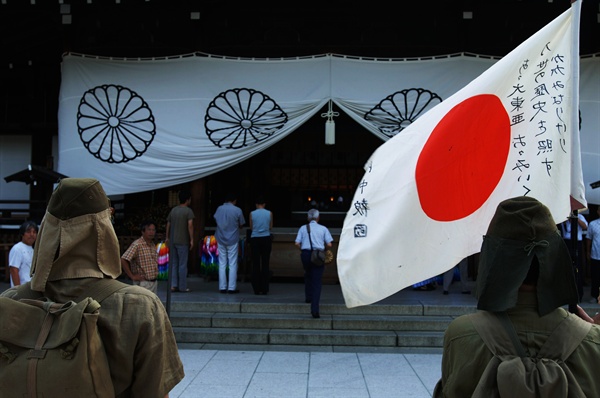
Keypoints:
(144, 124)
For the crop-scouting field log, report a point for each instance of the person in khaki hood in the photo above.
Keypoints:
(77, 229)
(76, 247)
(525, 283)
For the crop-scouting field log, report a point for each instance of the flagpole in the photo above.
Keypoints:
(576, 147)
(576, 169)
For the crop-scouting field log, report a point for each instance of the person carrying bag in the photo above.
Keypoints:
(313, 271)
(319, 257)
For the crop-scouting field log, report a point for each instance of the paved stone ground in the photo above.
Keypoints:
(233, 373)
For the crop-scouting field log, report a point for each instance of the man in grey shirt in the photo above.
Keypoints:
(180, 239)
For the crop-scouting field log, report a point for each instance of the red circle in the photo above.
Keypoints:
(464, 158)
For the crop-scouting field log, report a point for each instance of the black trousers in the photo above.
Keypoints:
(313, 281)
(577, 257)
(595, 276)
(261, 254)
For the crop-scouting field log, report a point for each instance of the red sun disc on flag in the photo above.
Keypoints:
(464, 158)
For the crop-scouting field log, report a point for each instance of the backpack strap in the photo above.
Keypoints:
(565, 338)
(98, 290)
(498, 340)
(497, 332)
(39, 352)
(511, 332)
(309, 239)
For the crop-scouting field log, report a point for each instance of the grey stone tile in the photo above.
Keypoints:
(400, 385)
(337, 392)
(226, 372)
(180, 389)
(284, 362)
(238, 355)
(196, 359)
(427, 367)
(339, 370)
(275, 385)
(384, 364)
(213, 391)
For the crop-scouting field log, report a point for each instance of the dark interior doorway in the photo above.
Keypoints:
(300, 172)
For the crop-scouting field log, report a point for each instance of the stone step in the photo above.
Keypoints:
(289, 325)
(221, 335)
(304, 321)
(309, 337)
(373, 338)
(252, 322)
(390, 322)
(332, 309)
(421, 339)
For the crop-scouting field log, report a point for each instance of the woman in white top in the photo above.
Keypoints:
(261, 223)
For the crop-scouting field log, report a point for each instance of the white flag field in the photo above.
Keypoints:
(429, 193)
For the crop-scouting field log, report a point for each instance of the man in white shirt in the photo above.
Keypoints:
(21, 254)
(593, 256)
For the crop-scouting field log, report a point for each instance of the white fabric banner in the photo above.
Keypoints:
(144, 124)
(158, 123)
(428, 193)
(387, 96)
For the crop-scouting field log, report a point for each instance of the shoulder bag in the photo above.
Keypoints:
(318, 257)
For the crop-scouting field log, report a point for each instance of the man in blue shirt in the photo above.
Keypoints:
(229, 220)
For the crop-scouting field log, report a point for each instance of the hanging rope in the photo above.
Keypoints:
(330, 113)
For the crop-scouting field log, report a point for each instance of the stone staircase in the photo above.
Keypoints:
(378, 327)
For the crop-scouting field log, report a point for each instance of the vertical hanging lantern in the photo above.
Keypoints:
(329, 132)
(330, 124)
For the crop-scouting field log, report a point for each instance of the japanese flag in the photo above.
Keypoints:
(428, 194)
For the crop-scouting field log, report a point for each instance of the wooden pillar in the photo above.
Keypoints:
(198, 190)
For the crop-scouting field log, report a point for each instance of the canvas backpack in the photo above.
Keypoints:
(50, 349)
(511, 373)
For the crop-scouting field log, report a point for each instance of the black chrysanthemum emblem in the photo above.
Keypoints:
(241, 117)
(397, 111)
(115, 124)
